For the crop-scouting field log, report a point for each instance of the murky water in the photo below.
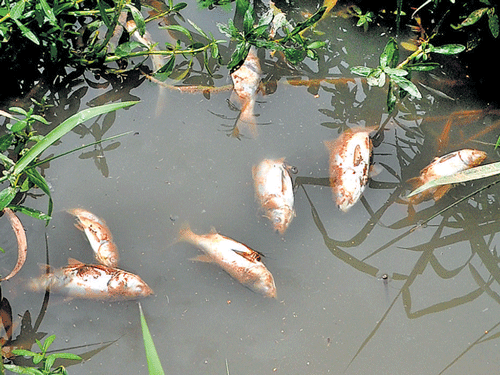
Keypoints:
(358, 292)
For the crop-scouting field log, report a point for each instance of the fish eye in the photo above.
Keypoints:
(277, 220)
(294, 169)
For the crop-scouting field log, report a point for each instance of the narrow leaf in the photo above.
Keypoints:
(63, 128)
(476, 173)
(154, 364)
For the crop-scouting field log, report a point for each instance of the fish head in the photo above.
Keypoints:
(281, 218)
(107, 254)
(472, 157)
(263, 282)
(128, 286)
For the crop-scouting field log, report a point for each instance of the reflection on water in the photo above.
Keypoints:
(437, 309)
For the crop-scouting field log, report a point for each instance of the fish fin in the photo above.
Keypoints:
(202, 258)
(73, 262)
(414, 182)
(441, 191)
(213, 230)
(251, 256)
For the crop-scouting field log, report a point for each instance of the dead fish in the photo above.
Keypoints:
(99, 236)
(349, 165)
(92, 281)
(274, 191)
(446, 165)
(237, 259)
(246, 80)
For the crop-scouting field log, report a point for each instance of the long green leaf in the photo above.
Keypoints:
(476, 173)
(65, 127)
(154, 364)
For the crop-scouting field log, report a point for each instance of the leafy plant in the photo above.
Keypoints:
(399, 75)
(260, 32)
(22, 174)
(45, 362)
(475, 16)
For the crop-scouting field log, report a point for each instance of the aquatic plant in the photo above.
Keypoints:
(44, 361)
(396, 73)
(19, 155)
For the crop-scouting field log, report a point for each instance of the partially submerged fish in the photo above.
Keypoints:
(246, 80)
(99, 236)
(349, 165)
(237, 259)
(93, 282)
(274, 190)
(446, 165)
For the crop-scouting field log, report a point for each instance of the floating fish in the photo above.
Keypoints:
(349, 165)
(99, 236)
(274, 190)
(446, 165)
(237, 259)
(246, 80)
(92, 282)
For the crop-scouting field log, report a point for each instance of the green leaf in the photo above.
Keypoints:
(309, 22)
(493, 23)
(407, 86)
(316, 44)
(391, 98)
(198, 29)
(471, 174)
(179, 28)
(17, 10)
(27, 32)
(423, 67)
(36, 178)
(127, 48)
(49, 13)
(248, 20)
(154, 363)
(390, 55)
(104, 15)
(473, 17)
(168, 68)
(6, 141)
(23, 352)
(6, 196)
(138, 19)
(362, 70)
(63, 128)
(448, 49)
(18, 126)
(396, 72)
(23, 370)
(31, 212)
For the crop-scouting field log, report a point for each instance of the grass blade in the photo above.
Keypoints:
(154, 364)
(63, 128)
(476, 173)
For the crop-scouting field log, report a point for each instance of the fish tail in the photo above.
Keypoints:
(415, 182)
(247, 117)
(185, 234)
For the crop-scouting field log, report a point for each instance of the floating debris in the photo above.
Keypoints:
(349, 165)
(237, 259)
(274, 190)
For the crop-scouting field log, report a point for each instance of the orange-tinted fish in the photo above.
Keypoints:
(246, 80)
(99, 236)
(93, 282)
(349, 165)
(237, 259)
(274, 190)
(446, 165)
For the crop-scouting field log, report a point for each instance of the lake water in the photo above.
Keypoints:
(358, 292)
